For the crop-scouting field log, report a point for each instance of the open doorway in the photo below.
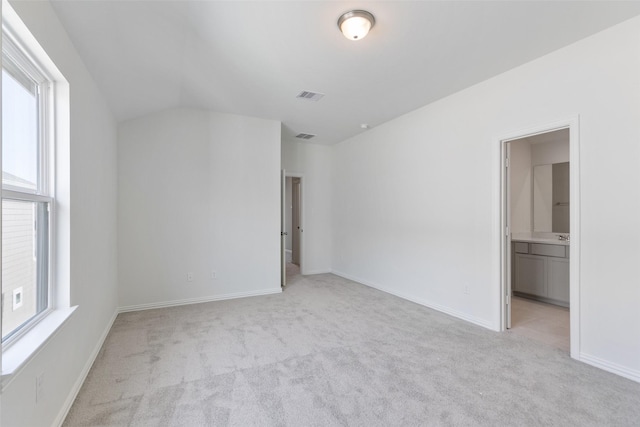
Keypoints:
(292, 213)
(540, 280)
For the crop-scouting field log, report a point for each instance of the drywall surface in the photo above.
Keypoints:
(314, 162)
(521, 175)
(92, 250)
(199, 192)
(542, 198)
(420, 205)
(550, 152)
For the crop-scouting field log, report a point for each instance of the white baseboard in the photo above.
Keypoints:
(312, 272)
(198, 300)
(83, 374)
(460, 315)
(614, 368)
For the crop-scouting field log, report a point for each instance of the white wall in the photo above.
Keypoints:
(550, 152)
(543, 156)
(520, 180)
(198, 192)
(92, 235)
(315, 163)
(419, 196)
(525, 155)
(542, 198)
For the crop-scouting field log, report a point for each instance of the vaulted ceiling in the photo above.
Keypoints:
(254, 57)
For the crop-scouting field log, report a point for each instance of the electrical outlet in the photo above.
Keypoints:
(17, 298)
(214, 275)
(40, 388)
(189, 277)
(466, 290)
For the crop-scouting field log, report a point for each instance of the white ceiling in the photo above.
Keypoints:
(254, 57)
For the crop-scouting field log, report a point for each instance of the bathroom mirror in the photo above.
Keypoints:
(551, 198)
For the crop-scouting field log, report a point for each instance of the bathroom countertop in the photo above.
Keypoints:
(546, 240)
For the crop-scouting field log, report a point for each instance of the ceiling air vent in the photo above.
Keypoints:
(305, 135)
(311, 96)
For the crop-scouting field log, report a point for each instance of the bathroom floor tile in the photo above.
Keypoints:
(541, 322)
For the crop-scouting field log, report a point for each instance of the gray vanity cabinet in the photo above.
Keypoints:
(541, 271)
(530, 274)
(558, 280)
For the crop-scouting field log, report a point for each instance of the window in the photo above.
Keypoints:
(27, 192)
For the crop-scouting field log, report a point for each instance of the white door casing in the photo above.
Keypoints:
(283, 232)
(296, 229)
(573, 124)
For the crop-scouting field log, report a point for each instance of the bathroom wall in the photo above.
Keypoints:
(553, 149)
(525, 154)
(520, 180)
(550, 152)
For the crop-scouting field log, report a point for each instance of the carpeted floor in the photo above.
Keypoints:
(330, 352)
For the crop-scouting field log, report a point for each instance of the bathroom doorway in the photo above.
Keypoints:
(539, 251)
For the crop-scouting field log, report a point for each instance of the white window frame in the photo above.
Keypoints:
(19, 56)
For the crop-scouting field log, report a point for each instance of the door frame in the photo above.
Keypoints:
(301, 213)
(296, 193)
(283, 198)
(573, 124)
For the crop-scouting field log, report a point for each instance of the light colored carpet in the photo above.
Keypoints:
(330, 352)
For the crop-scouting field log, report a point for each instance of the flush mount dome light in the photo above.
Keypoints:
(355, 24)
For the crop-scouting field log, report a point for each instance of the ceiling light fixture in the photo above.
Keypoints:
(355, 24)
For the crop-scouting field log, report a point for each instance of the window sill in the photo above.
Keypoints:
(16, 357)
